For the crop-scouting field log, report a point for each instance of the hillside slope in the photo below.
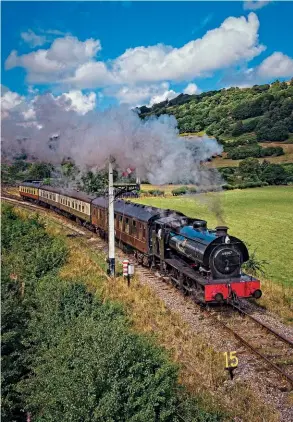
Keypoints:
(263, 113)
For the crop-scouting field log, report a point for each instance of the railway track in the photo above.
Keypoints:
(269, 345)
(274, 349)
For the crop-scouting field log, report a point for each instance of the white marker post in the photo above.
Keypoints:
(111, 234)
(128, 270)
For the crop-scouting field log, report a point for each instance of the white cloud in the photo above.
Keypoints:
(10, 99)
(29, 114)
(14, 104)
(91, 75)
(191, 89)
(136, 95)
(73, 62)
(56, 63)
(31, 38)
(54, 32)
(277, 65)
(81, 103)
(166, 95)
(235, 40)
(255, 4)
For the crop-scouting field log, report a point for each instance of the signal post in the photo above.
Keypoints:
(113, 192)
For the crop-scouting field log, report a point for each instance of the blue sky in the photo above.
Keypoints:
(79, 48)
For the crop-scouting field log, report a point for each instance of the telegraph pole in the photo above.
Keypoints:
(111, 268)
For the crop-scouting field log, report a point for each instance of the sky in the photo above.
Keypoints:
(99, 54)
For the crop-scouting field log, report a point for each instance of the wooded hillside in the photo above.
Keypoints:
(263, 112)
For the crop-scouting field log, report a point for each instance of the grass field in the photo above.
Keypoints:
(261, 217)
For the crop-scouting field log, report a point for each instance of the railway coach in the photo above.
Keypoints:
(29, 190)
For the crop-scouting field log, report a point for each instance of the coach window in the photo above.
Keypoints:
(83, 208)
(143, 232)
(133, 226)
(127, 225)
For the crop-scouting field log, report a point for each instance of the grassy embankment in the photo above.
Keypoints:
(262, 218)
(201, 369)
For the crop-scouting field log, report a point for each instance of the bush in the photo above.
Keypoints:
(179, 191)
(245, 185)
(278, 132)
(274, 174)
(156, 192)
(254, 151)
(192, 190)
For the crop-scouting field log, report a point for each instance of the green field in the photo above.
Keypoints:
(261, 217)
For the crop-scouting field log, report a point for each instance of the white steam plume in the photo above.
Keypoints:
(152, 146)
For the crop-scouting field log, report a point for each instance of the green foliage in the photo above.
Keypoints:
(156, 192)
(250, 173)
(40, 171)
(21, 170)
(14, 317)
(91, 367)
(255, 266)
(183, 190)
(179, 191)
(273, 174)
(27, 253)
(245, 185)
(263, 109)
(96, 182)
(254, 150)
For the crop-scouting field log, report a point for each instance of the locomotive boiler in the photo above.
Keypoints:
(214, 251)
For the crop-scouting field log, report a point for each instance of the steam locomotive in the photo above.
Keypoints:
(203, 262)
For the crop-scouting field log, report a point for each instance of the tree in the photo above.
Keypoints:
(274, 174)
(249, 169)
(39, 171)
(238, 129)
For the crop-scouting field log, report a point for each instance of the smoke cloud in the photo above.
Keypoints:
(213, 202)
(49, 130)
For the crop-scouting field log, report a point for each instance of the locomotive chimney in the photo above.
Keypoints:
(200, 225)
(221, 231)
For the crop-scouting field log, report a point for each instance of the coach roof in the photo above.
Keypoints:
(31, 184)
(130, 209)
(69, 193)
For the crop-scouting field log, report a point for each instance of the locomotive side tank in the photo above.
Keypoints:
(214, 250)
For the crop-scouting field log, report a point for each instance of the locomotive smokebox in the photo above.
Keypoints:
(221, 231)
